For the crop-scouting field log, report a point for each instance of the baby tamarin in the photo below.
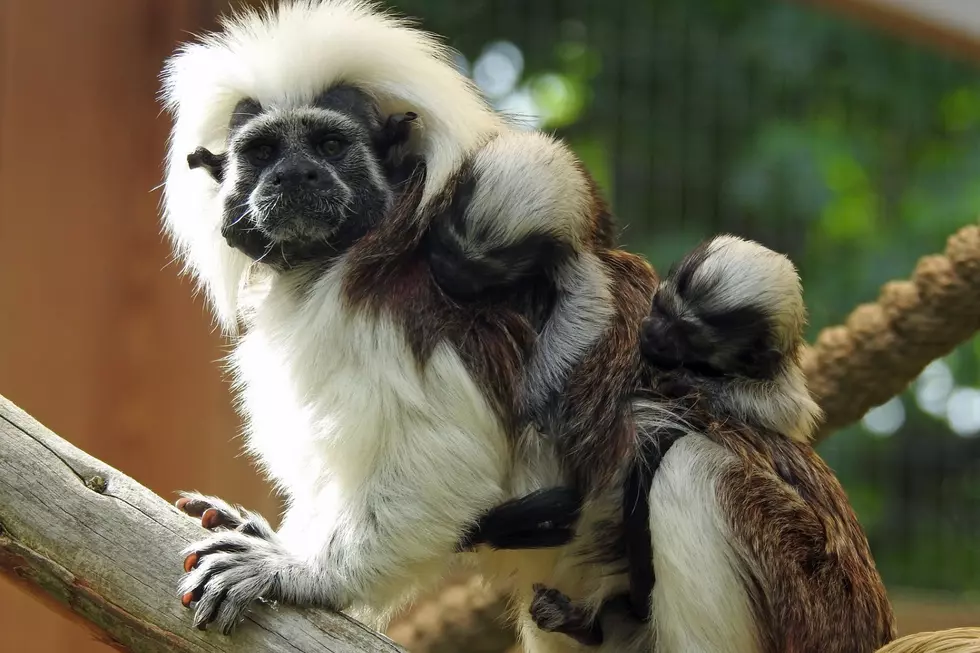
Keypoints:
(722, 343)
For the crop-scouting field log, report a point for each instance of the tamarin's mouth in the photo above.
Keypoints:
(302, 214)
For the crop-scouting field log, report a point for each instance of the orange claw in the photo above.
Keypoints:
(181, 502)
(190, 562)
(186, 599)
(210, 519)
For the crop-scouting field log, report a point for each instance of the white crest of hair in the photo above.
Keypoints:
(283, 57)
(700, 601)
(530, 183)
(540, 188)
(740, 273)
(743, 273)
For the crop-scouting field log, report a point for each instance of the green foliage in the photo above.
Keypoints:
(848, 149)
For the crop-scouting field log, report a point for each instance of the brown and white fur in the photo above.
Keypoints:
(393, 407)
(754, 545)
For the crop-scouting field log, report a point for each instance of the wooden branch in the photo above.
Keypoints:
(96, 545)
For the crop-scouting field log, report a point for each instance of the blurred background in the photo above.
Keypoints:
(845, 133)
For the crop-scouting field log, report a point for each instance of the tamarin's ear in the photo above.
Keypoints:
(202, 157)
(397, 129)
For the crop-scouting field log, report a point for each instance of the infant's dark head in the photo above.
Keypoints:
(732, 307)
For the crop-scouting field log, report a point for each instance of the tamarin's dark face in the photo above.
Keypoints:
(306, 181)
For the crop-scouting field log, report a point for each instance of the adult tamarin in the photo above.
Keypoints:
(416, 347)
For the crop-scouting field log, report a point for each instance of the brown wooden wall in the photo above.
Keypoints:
(99, 337)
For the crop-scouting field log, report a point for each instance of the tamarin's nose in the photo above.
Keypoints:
(659, 342)
(293, 175)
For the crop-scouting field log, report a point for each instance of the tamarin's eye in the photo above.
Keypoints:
(332, 147)
(259, 154)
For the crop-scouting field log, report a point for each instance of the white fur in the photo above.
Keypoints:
(783, 404)
(742, 273)
(529, 183)
(699, 598)
(745, 273)
(283, 59)
(382, 463)
(582, 313)
(700, 602)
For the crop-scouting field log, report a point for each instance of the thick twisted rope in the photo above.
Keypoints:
(884, 345)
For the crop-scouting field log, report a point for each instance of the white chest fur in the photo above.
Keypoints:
(333, 393)
(352, 429)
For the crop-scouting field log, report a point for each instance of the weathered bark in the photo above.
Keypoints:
(97, 545)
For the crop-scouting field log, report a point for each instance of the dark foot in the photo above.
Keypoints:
(553, 612)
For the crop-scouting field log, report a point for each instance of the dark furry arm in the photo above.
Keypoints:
(543, 519)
